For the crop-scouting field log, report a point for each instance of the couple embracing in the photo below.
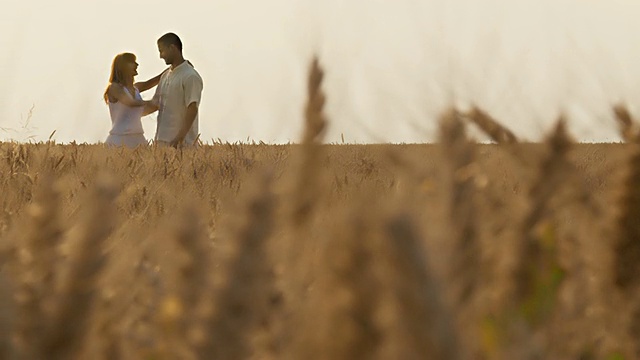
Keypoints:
(177, 97)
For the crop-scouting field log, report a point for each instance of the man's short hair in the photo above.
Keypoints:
(171, 39)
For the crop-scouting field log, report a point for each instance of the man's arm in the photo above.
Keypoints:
(192, 87)
(146, 85)
(189, 118)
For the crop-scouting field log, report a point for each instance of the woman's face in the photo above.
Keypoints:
(131, 68)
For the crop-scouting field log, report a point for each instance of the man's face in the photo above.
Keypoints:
(166, 53)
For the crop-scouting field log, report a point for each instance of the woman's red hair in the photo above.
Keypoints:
(117, 67)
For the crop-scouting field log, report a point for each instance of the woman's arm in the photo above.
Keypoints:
(146, 85)
(149, 108)
(117, 92)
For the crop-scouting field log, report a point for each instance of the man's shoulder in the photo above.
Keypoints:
(191, 71)
(191, 74)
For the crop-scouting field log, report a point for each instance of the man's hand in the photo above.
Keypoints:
(176, 142)
(192, 111)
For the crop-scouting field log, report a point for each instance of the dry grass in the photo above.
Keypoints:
(447, 251)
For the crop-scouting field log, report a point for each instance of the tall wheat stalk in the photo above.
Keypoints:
(37, 257)
(424, 326)
(552, 174)
(459, 160)
(491, 126)
(538, 273)
(306, 183)
(70, 318)
(627, 244)
(343, 325)
(241, 302)
(182, 313)
(7, 317)
(627, 249)
(627, 128)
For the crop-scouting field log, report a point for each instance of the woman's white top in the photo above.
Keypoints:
(126, 120)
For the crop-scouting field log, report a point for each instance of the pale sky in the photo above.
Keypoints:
(391, 66)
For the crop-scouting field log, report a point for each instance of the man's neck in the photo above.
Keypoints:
(177, 63)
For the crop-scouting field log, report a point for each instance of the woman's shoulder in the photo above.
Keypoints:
(116, 87)
(113, 91)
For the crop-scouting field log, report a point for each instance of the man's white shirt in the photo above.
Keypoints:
(178, 88)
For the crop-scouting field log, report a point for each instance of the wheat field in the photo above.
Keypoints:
(454, 250)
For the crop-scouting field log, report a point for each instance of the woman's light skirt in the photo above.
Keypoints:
(129, 140)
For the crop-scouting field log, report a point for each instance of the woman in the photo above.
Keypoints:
(126, 106)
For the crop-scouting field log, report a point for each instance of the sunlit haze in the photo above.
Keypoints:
(391, 66)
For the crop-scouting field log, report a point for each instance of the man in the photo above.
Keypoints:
(177, 96)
